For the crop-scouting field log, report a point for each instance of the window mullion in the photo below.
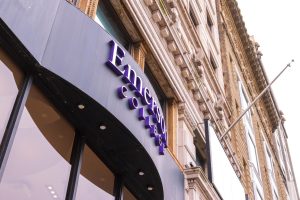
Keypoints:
(13, 122)
(118, 187)
(76, 160)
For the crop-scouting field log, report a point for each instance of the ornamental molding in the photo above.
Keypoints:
(161, 78)
(251, 68)
(191, 51)
(248, 56)
(160, 49)
(243, 64)
(178, 45)
(183, 113)
(196, 61)
(197, 180)
(156, 27)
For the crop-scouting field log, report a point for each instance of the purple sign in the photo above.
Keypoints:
(147, 110)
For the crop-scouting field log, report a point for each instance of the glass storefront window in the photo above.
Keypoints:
(127, 195)
(38, 165)
(96, 181)
(11, 79)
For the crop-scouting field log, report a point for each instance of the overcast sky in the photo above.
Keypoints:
(276, 27)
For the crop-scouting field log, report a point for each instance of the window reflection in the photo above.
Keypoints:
(58, 132)
(10, 80)
(96, 181)
(127, 195)
(37, 166)
(108, 19)
(162, 98)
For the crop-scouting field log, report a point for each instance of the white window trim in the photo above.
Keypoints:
(271, 172)
(254, 165)
(258, 194)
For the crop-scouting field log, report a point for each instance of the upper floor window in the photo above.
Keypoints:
(200, 145)
(213, 62)
(109, 20)
(193, 16)
(158, 90)
(258, 195)
(252, 152)
(280, 151)
(244, 104)
(269, 159)
(244, 99)
(275, 195)
(271, 174)
(249, 130)
(209, 23)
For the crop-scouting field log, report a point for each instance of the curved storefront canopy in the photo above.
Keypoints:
(99, 88)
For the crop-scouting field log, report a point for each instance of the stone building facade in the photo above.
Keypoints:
(245, 78)
(205, 70)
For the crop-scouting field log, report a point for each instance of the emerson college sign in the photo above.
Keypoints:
(147, 108)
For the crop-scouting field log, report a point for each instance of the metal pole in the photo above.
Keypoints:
(254, 101)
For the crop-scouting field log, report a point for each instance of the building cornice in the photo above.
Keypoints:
(251, 66)
(253, 57)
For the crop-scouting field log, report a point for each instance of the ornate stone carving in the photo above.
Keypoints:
(197, 96)
(185, 72)
(165, 32)
(192, 85)
(179, 60)
(156, 16)
(185, 114)
(148, 2)
(198, 185)
(203, 108)
(198, 57)
(248, 56)
(172, 46)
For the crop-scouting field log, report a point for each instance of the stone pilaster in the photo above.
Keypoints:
(138, 52)
(89, 7)
(172, 118)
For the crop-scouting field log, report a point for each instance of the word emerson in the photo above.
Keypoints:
(153, 118)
